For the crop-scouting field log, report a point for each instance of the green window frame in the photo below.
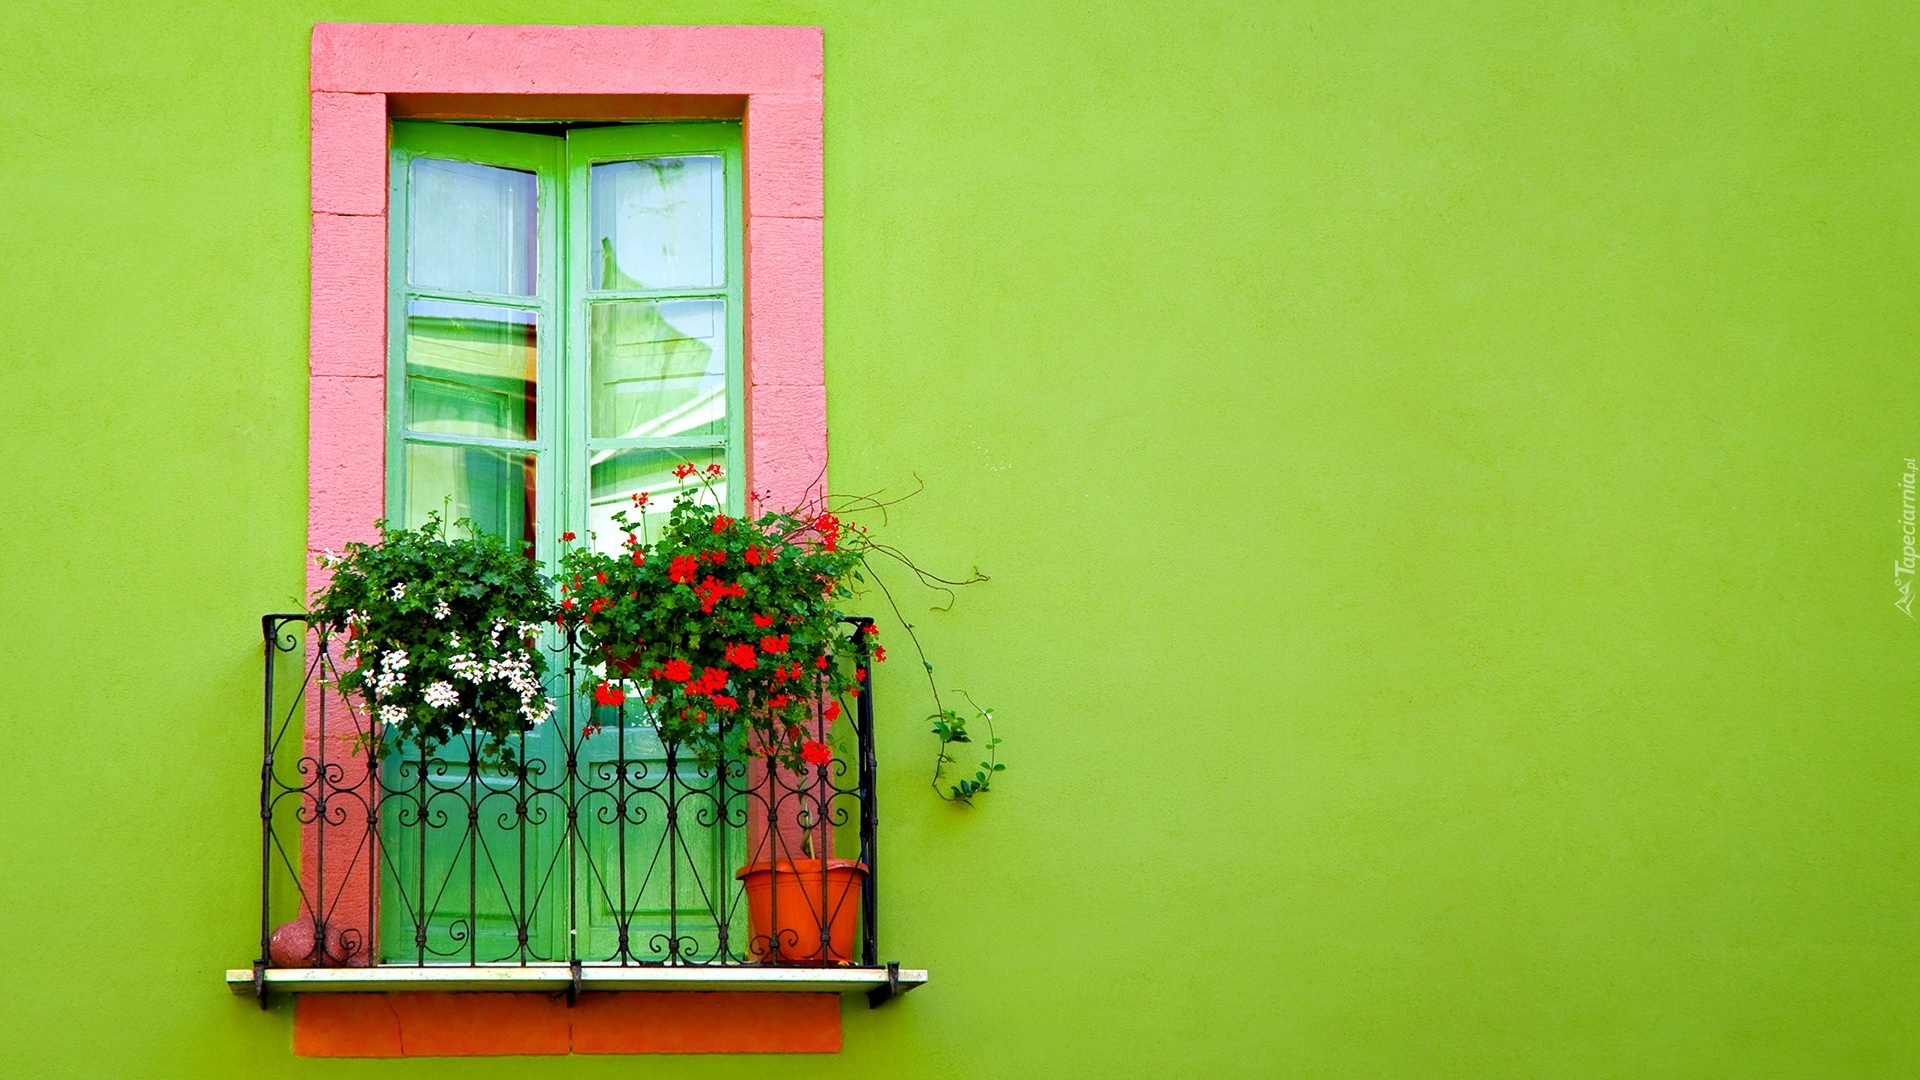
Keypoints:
(565, 452)
(441, 350)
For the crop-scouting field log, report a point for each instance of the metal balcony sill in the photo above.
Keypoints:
(879, 983)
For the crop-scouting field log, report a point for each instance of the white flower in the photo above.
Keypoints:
(441, 610)
(392, 674)
(400, 590)
(441, 695)
(392, 714)
(386, 682)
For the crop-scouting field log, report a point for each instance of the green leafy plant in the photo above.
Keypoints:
(951, 728)
(442, 633)
(728, 630)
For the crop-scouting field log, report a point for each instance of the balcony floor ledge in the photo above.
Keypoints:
(552, 977)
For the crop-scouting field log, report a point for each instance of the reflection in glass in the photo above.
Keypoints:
(471, 369)
(493, 487)
(656, 223)
(472, 228)
(617, 475)
(659, 368)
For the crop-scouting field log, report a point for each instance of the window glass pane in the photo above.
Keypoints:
(656, 224)
(659, 368)
(493, 487)
(471, 228)
(471, 369)
(616, 476)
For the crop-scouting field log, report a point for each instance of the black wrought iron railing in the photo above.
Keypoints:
(600, 844)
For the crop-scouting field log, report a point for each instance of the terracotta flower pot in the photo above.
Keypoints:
(789, 902)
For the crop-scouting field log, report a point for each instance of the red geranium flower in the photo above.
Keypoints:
(714, 470)
(639, 558)
(678, 670)
(683, 569)
(609, 694)
(832, 711)
(713, 590)
(741, 656)
(725, 703)
(683, 470)
(879, 653)
(599, 605)
(828, 527)
(566, 536)
(601, 577)
(763, 621)
(640, 499)
(720, 523)
(774, 644)
(816, 752)
(821, 663)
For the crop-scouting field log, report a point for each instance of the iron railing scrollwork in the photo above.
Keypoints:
(599, 844)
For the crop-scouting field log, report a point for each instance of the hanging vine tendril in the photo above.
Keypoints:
(951, 779)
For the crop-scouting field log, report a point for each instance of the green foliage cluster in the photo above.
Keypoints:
(442, 632)
(726, 633)
(728, 630)
(949, 779)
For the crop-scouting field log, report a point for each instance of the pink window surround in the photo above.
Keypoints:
(768, 77)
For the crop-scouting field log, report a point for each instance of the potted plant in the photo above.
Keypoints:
(728, 631)
(439, 638)
(441, 632)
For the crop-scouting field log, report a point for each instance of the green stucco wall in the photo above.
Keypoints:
(1437, 465)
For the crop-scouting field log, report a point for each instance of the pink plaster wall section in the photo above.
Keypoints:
(349, 154)
(337, 869)
(778, 69)
(784, 306)
(347, 333)
(399, 58)
(786, 472)
(784, 133)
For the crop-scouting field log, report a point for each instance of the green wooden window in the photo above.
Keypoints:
(564, 322)
(564, 329)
